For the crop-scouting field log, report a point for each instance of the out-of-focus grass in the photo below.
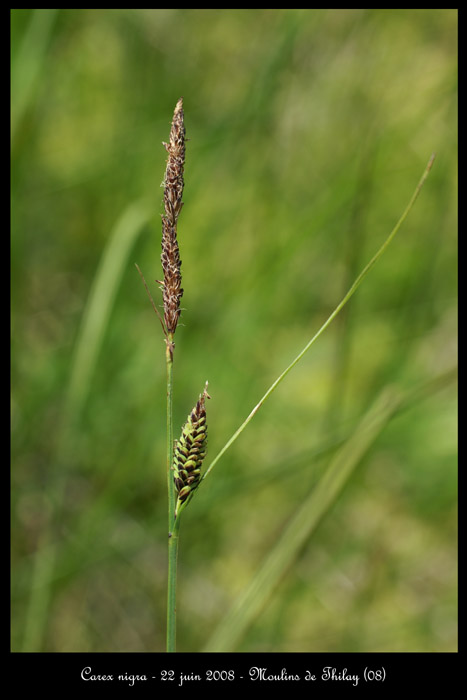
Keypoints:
(308, 132)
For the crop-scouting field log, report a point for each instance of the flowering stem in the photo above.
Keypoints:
(172, 587)
(170, 483)
(173, 529)
(172, 293)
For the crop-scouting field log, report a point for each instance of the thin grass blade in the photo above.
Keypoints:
(329, 320)
(93, 329)
(100, 302)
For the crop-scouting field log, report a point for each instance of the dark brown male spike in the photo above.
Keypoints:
(173, 191)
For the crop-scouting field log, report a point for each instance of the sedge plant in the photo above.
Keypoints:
(183, 478)
(185, 457)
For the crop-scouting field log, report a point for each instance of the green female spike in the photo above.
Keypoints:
(189, 453)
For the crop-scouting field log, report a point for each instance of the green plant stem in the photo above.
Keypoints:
(170, 483)
(172, 526)
(172, 588)
(336, 311)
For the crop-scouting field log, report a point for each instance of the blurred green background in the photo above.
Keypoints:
(309, 130)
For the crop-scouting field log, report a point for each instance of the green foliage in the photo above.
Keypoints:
(308, 131)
